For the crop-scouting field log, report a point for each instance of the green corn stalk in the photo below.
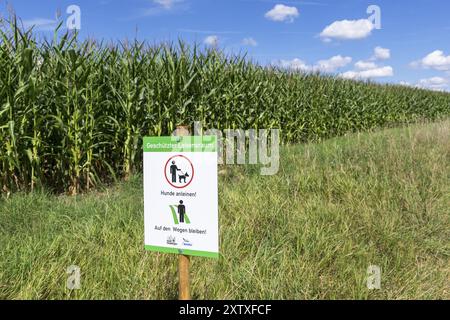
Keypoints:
(73, 114)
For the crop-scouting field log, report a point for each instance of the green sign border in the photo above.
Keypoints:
(180, 144)
(205, 254)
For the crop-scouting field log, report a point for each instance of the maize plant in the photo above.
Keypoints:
(73, 113)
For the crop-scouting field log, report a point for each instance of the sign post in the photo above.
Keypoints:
(181, 199)
(184, 288)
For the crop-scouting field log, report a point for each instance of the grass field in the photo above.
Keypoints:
(310, 232)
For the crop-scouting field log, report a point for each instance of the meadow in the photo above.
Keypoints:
(73, 113)
(309, 232)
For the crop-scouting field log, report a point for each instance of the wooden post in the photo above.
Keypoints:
(184, 292)
(183, 278)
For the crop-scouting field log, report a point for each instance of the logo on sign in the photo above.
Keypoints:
(171, 241)
(187, 243)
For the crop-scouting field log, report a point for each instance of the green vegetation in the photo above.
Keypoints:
(309, 232)
(72, 115)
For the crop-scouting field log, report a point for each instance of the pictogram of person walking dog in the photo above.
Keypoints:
(182, 178)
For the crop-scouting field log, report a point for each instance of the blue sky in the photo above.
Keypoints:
(340, 37)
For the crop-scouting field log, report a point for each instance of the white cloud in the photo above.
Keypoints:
(367, 69)
(167, 4)
(382, 53)
(295, 64)
(328, 65)
(435, 60)
(332, 64)
(379, 72)
(365, 65)
(434, 83)
(249, 42)
(347, 30)
(282, 13)
(211, 41)
(160, 7)
(41, 24)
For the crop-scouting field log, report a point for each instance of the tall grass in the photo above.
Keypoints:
(72, 114)
(334, 209)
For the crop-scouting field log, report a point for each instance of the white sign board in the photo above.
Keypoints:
(180, 195)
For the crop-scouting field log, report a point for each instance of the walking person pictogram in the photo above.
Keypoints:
(181, 211)
(173, 171)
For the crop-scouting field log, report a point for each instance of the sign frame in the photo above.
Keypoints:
(197, 188)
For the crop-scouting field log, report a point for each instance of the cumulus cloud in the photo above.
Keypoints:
(212, 41)
(365, 65)
(379, 72)
(282, 13)
(405, 83)
(435, 60)
(327, 65)
(249, 42)
(367, 69)
(332, 64)
(348, 30)
(295, 64)
(434, 83)
(382, 53)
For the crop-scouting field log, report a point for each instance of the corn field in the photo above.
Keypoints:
(73, 113)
